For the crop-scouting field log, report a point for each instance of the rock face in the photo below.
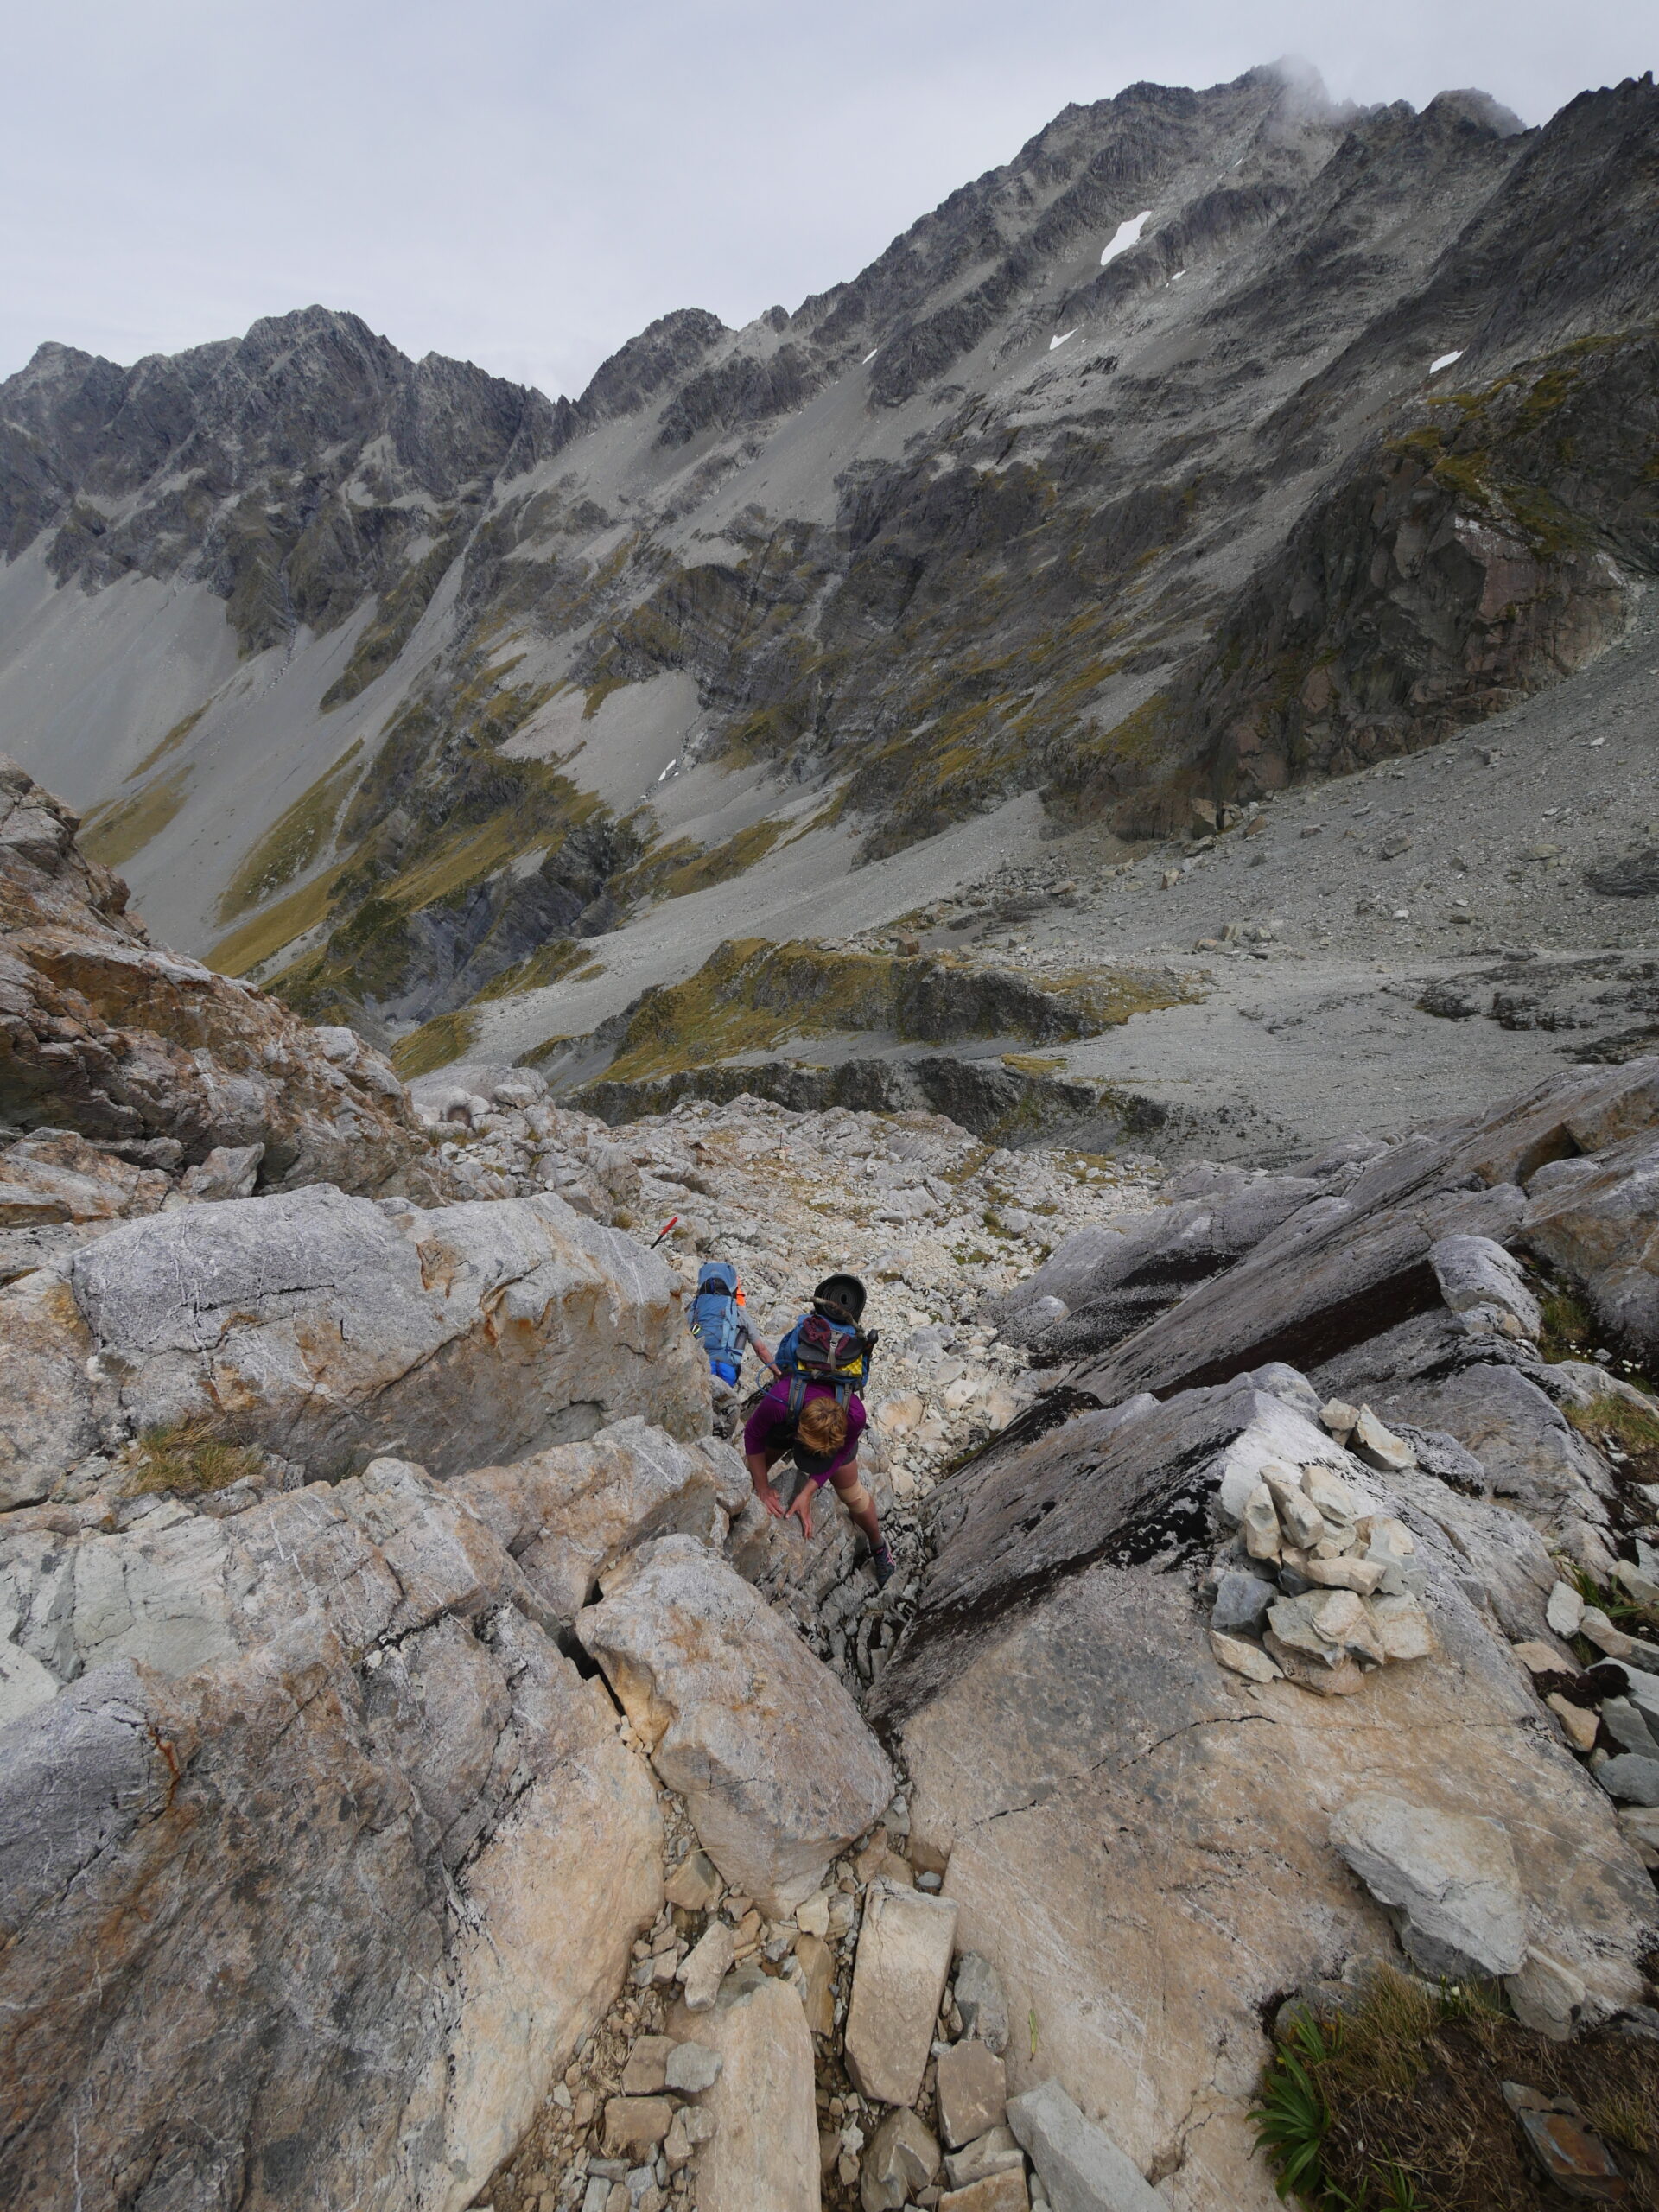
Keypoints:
(1091, 1773)
(325, 1327)
(323, 1891)
(105, 1034)
(778, 1769)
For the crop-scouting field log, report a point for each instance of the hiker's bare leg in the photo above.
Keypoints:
(850, 1490)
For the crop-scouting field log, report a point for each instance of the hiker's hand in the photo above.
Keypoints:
(763, 1489)
(801, 1510)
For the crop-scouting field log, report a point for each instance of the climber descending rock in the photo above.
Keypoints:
(813, 1414)
(722, 1329)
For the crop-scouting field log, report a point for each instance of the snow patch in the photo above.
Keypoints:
(1177, 278)
(1061, 339)
(1444, 361)
(1126, 235)
(870, 357)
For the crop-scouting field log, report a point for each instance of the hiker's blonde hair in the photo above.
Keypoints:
(822, 1425)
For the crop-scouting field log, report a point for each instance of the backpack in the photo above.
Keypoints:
(713, 1316)
(818, 1350)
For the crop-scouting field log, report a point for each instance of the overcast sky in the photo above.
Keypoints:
(526, 183)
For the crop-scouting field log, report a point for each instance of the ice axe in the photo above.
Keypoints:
(667, 1226)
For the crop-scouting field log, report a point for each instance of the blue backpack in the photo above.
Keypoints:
(715, 1321)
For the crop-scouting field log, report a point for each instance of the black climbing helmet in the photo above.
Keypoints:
(842, 1297)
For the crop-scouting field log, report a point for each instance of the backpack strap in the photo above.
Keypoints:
(796, 1397)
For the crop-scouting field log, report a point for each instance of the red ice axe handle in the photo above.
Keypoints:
(662, 1232)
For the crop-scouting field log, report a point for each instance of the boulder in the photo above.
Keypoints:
(566, 1512)
(1596, 1227)
(1449, 1878)
(325, 1328)
(972, 2092)
(105, 1035)
(1081, 2169)
(900, 2159)
(239, 1932)
(993, 2153)
(764, 2150)
(779, 1769)
(902, 1960)
(1004, 2191)
(981, 2002)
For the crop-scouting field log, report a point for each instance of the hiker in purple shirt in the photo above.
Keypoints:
(811, 1414)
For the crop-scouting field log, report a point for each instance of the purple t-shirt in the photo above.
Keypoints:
(769, 1424)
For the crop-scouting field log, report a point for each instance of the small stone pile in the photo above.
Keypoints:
(1318, 1587)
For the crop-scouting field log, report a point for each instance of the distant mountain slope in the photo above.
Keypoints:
(1220, 438)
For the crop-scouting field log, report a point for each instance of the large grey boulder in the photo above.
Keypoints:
(1137, 1840)
(327, 1328)
(899, 1977)
(1449, 1878)
(779, 1770)
(1596, 1225)
(331, 1900)
(1164, 1257)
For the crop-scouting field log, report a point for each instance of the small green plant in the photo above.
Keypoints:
(189, 1457)
(1566, 1330)
(1293, 2119)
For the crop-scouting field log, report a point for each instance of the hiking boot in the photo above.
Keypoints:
(885, 1566)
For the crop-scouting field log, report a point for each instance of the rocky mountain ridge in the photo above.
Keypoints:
(1220, 439)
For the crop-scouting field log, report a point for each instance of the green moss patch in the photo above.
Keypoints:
(678, 869)
(292, 842)
(750, 995)
(114, 832)
(435, 1043)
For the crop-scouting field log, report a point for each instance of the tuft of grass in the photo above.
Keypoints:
(1633, 1428)
(189, 1457)
(1567, 1329)
(1378, 2052)
(1625, 2116)
(1293, 2118)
